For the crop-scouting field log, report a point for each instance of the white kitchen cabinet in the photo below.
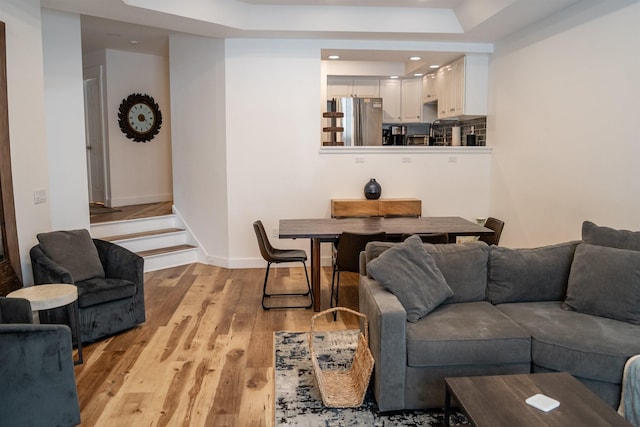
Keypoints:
(391, 94)
(463, 86)
(411, 101)
(429, 88)
(339, 87)
(350, 87)
(447, 84)
(366, 88)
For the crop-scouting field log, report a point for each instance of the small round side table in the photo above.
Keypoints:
(46, 297)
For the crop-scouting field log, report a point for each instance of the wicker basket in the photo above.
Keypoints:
(344, 388)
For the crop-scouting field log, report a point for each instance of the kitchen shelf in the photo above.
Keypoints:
(333, 129)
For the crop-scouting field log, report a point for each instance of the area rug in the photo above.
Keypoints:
(299, 402)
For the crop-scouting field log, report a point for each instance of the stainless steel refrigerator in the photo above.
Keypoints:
(362, 120)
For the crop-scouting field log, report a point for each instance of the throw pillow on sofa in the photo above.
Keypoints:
(610, 237)
(409, 272)
(75, 251)
(535, 274)
(605, 282)
(463, 265)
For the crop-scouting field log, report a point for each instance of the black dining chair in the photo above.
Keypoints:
(496, 225)
(346, 257)
(434, 238)
(275, 256)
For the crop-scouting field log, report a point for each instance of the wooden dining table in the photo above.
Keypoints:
(321, 230)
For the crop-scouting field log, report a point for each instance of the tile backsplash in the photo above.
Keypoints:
(442, 131)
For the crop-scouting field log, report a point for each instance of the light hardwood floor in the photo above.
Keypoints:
(133, 212)
(204, 357)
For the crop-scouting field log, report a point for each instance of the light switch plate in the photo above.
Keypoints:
(39, 196)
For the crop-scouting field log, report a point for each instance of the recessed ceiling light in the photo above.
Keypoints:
(334, 57)
(434, 66)
(393, 77)
(418, 74)
(415, 58)
(134, 42)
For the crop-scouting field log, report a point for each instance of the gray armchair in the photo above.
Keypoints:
(110, 281)
(36, 370)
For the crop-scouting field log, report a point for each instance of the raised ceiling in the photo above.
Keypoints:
(436, 24)
(362, 3)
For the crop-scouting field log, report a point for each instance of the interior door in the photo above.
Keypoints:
(95, 136)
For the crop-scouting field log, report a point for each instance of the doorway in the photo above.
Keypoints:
(97, 159)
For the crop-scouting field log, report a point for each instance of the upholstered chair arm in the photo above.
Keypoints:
(387, 340)
(15, 310)
(38, 376)
(119, 262)
(47, 271)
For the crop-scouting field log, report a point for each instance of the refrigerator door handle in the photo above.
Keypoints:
(358, 123)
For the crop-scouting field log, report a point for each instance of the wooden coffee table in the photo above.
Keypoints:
(495, 401)
(46, 297)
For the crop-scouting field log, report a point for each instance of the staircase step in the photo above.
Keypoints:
(174, 256)
(167, 250)
(161, 241)
(142, 234)
(131, 226)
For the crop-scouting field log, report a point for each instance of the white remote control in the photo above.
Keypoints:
(542, 402)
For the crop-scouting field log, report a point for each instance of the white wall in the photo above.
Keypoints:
(140, 172)
(64, 100)
(275, 167)
(563, 128)
(198, 137)
(27, 131)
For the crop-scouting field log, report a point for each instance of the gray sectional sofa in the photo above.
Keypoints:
(465, 309)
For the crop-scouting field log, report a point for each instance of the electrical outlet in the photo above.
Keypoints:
(274, 233)
(406, 160)
(359, 159)
(39, 196)
(453, 159)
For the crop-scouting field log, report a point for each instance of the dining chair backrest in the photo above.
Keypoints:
(434, 238)
(496, 225)
(266, 250)
(350, 246)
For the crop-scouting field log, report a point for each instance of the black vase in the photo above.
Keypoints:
(372, 189)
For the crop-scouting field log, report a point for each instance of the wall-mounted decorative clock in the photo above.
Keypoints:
(139, 117)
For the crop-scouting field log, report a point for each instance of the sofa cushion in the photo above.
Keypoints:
(411, 274)
(100, 290)
(605, 282)
(75, 251)
(586, 346)
(472, 333)
(536, 274)
(463, 265)
(606, 236)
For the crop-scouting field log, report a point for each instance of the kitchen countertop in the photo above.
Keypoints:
(407, 149)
